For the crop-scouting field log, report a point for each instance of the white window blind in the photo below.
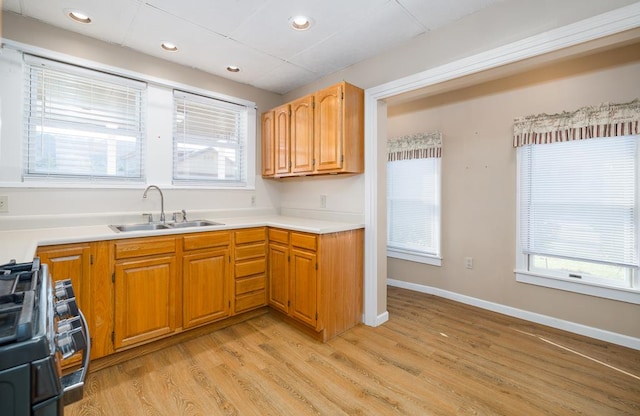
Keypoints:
(579, 200)
(413, 206)
(82, 125)
(210, 141)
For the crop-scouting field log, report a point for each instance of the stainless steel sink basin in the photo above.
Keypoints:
(194, 223)
(138, 227)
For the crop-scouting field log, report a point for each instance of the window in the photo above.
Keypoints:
(578, 215)
(413, 200)
(210, 141)
(82, 125)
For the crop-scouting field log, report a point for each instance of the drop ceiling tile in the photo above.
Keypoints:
(284, 78)
(219, 16)
(436, 13)
(379, 31)
(110, 20)
(197, 47)
(271, 32)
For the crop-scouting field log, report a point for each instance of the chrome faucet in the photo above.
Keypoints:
(161, 200)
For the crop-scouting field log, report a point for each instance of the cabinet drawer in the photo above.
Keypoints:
(251, 300)
(279, 236)
(250, 284)
(206, 240)
(247, 268)
(139, 247)
(250, 235)
(306, 241)
(251, 251)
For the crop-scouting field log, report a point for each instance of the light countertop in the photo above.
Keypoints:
(21, 244)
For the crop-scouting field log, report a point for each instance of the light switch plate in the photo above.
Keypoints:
(4, 203)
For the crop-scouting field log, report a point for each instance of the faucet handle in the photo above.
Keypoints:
(177, 216)
(184, 215)
(148, 215)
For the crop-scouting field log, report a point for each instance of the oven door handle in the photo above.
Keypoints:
(73, 383)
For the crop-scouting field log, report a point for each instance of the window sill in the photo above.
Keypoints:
(585, 288)
(415, 257)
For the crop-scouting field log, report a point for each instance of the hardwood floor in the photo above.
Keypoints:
(433, 357)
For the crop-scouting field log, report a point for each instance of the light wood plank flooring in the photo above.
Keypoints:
(433, 357)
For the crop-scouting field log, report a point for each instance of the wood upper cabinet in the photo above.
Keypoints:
(205, 274)
(145, 286)
(324, 134)
(72, 261)
(302, 135)
(268, 143)
(282, 139)
(328, 129)
(250, 269)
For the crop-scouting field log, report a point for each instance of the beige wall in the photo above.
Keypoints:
(479, 184)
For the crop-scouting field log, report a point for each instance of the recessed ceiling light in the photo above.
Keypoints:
(78, 16)
(300, 22)
(232, 68)
(168, 46)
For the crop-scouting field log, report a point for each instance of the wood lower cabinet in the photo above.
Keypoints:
(303, 287)
(71, 261)
(293, 284)
(145, 285)
(317, 279)
(205, 278)
(250, 268)
(138, 291)
(279, 269)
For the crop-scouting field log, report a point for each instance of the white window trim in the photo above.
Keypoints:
(414, 256)
(160, 179)
(523, 275)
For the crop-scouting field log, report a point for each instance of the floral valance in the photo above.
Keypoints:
(417, 146)
(606, 120)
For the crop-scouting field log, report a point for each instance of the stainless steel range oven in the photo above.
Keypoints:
(40, 324)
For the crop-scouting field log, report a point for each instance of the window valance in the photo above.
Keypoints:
(606, 120)
(416, 146)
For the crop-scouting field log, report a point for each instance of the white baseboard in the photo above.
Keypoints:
(612, 337)
(382, 318)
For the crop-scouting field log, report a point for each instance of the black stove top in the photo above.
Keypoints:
(18, 300)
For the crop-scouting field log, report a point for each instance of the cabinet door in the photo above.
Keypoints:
(282, 139)
(71, 262)
(279, 277)
(145, 300)
(328, 129)
(302, 135)
(206, 294)
(268, 143)
(304, 289)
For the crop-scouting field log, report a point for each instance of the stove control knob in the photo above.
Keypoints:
(68, 325)
(68, 343)
(63, 289)
(67, 308)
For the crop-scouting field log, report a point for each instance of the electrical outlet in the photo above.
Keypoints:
(253, 200)
(4, 203)
(323, 201)
(468, 262)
